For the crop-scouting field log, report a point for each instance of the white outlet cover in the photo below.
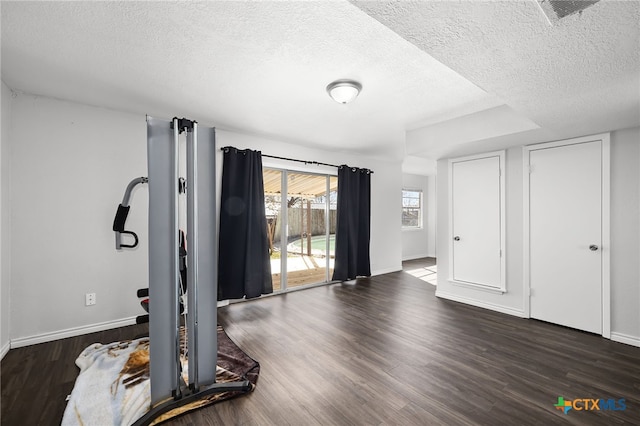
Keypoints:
(90, 299)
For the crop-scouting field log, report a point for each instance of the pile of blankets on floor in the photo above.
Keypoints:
(113, 386)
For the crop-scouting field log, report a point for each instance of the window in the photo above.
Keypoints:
(411, 208)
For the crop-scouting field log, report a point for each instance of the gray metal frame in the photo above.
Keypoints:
(162, 163)
(168, 391)
(202, 249)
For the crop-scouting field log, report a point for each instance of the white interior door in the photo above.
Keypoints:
(476, 221)
(565, 235)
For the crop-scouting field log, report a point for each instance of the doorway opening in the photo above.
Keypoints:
(301, 211)
(424, 268)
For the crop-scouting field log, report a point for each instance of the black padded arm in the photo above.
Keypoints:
(121, 218)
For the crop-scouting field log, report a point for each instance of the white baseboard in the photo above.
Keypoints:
(481, 304)
(415, 256)
(385, 271)
(70, 332)
(625, 338)
(5, 349)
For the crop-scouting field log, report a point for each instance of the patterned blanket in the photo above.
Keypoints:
(113, 386)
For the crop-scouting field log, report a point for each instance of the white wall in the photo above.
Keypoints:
(432, 209)
(70, 166)
(625, 237)
(5, 223)
(415, 242)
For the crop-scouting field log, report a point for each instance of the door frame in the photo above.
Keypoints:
(284, 188)
(606, 226)
(501, 155)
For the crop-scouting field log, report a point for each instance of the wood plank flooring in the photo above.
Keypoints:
(384, 351)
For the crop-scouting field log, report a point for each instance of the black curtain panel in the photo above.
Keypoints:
(244, 269)
(353, 228)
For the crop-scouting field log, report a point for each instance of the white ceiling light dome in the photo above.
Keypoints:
(344, 91)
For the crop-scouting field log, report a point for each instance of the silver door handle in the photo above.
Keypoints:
(456, 238)
(593, 247)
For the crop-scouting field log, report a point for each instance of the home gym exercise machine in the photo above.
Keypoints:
(164, 150)
(118, 226)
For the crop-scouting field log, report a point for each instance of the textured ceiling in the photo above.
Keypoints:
(579, 75)
(438, 77)
(261, 67)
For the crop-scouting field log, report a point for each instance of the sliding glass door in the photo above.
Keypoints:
(301, 226)
(273, 209)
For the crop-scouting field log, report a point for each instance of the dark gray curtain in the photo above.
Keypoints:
(244, 269)
(353, 227)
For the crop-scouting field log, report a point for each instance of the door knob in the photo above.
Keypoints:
(593, 247)
(456, 238)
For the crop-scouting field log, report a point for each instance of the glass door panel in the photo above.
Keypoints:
(301, 227)
(307, 229)
(273, 210)
(332, 220)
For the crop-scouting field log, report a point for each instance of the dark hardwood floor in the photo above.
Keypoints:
(382, 351)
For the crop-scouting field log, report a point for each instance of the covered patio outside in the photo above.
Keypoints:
(308, 238)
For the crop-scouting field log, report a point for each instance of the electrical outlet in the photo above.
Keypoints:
(89, 299)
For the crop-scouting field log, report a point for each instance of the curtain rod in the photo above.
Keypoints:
(294, 159)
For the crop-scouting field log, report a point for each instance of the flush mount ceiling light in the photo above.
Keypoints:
(344, 91)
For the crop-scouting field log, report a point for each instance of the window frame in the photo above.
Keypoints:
(420, 209)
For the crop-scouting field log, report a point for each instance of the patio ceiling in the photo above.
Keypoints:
(299, 184)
